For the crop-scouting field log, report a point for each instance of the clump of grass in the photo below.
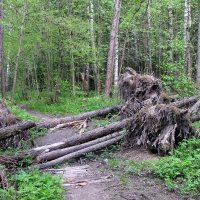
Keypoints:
(33, 185)
(182, 168)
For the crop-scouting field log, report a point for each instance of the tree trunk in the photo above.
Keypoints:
(198, 54)
(95, 65)
(19, 49)
(116, 74)
(171, 31)
(149, 37)
(187, 26)
(61, 152)
(79, 153)
(186, 102)
(95, 113)
(1, 51)
(15, 129)
(112, 46)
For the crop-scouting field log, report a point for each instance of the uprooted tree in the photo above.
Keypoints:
(152, 119)
(158, 124)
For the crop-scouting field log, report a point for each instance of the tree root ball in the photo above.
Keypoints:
(159, 128)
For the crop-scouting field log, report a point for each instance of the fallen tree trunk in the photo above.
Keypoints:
(195, 108)
(96, 113)
(13, 160)
(79, 153)
(185, 101)
(61, 152)
(88, 136)
(195, 118)
(15, 129)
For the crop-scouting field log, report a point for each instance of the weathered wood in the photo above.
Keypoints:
(88, 136)
(96, 113)
(15, 129)
(78, 153)
(195, 108)
(61, 152)
(195, 118)
(185, 101)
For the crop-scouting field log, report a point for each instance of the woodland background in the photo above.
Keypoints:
(61, 47)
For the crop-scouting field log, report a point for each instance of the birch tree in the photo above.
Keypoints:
(198, 54)
(1, 51)
(187, 26)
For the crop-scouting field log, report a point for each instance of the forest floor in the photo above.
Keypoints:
(91, 178)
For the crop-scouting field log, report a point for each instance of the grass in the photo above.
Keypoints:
(68, 104)
(182, 168)
(21, 114)
(33, 185)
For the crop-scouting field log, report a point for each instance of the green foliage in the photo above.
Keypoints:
(34, 185)
(21, 114)
(175, 80)
(182, 168)
(35, 133)
(69, 104)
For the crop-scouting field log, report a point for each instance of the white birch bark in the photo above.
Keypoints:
(198, 54)
(187, 26)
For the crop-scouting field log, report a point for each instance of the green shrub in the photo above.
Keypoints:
(34, 185)
(182, 168)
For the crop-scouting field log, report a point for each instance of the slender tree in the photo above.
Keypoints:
(187, 26)
(19, 48)
(198, 54)
(1, 51)
(112, 46)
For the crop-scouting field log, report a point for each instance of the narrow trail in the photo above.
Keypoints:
(84, 182)
(94, 180)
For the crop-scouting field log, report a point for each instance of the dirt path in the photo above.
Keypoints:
(96, 181)
(84, 182)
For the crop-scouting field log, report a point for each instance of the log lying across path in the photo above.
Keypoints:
(79, 153)
(15, 129)
(61, 152)
(95, 113)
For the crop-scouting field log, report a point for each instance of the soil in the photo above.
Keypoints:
(95, 180)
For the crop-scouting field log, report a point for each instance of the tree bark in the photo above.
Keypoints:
(19, 49)
(95, 113)
(15, 129)
(112, 45)
(1, 51)
(186, 101)
(195, 108)
(187, 26)
(79, 153)
(171, 31)
(198, 54)
(61, 152)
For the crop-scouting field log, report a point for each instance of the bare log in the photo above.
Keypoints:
(195, 108)
(185, 101)
(61, 152)
(195, 118)
(96, 113)
(89, 135)
(15, 129)
(78, 153)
